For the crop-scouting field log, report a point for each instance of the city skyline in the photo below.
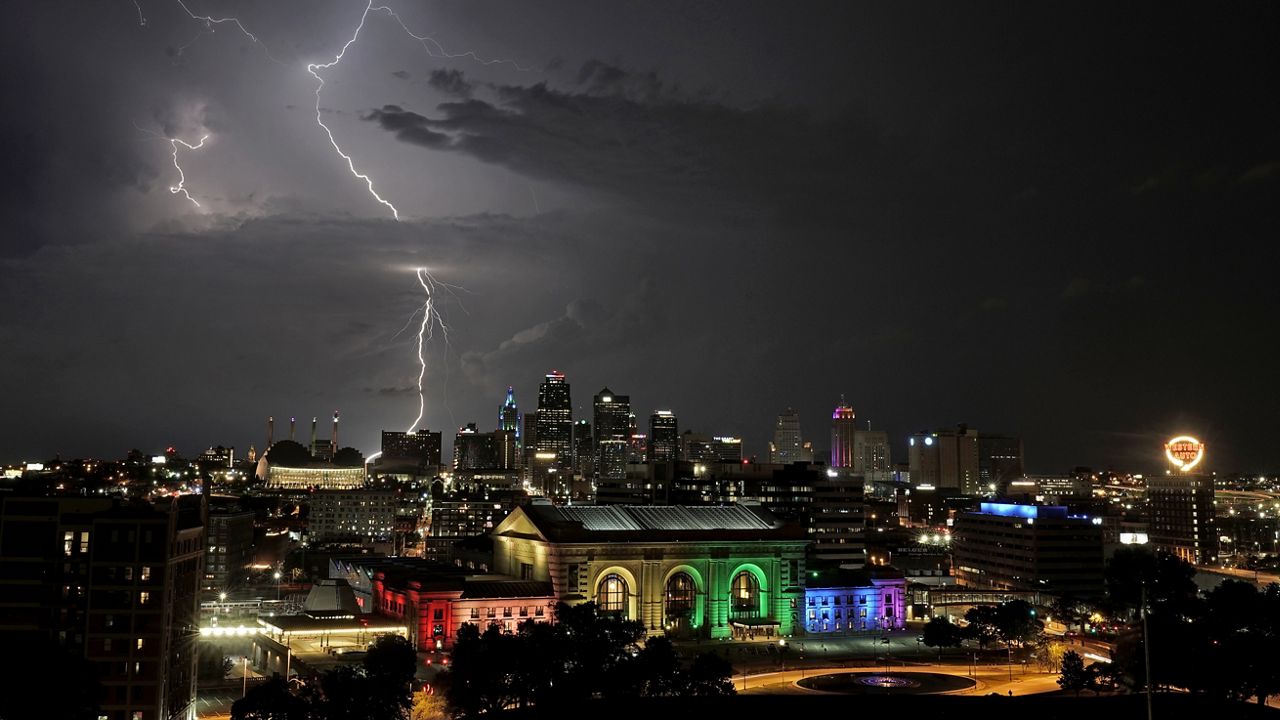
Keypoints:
(1037, 222)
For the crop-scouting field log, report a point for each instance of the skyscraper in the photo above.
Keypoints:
(788, 446)
(843, 428)
(555, 419)
(612, 430)
(583, 452)
(946, 459)
(871, 457)
(509, 419)
(664, 437)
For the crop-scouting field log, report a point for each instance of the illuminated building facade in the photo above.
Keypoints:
(716, 571)
(435, 601)
(841, 602)
(837, 519)
(365, 514)
(583, 449)
(417, 447)
(320, 477)
(509, 422)
(843, 428)
(555, 419)
(1181, 516)
(1005, 546)
(947, 459)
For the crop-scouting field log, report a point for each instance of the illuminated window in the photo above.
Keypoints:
(140, 643)
(84, 541)
(681, 594)
(612, 594)
(68, 538)
(144, 597)
(146, 572)
(475, 613)
(745, 596)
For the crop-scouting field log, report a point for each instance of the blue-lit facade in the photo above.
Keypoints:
(848, 602)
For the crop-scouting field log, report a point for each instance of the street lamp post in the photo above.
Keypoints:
(278, 576)
(1009, 647)
(244, 688)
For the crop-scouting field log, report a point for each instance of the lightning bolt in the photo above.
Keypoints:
(209, 21)
(427, 44)
(142, 19)
(182, 177)
(312, 68)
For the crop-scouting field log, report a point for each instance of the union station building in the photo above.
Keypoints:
(732, 571)
(705, 571)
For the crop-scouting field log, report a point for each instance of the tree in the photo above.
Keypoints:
(271, 700)
(710, 674)
(1074, 677)
(1049, 655)
(982, 624)
(1016, 622)
(1169, 581)
(388, 670)
(940, 632)
(429, 706)
(211, 665)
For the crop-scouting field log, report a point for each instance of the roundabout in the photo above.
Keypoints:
(884, 683)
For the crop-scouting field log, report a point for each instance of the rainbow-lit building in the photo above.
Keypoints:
(701, 571)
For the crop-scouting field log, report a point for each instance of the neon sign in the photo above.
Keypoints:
(1185, 452)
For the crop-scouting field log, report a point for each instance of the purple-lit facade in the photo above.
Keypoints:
(844, 602)
(843, 430)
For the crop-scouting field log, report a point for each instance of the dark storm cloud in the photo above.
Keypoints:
(402, 74)
(408, 127)
(450, 82)
(627, 135)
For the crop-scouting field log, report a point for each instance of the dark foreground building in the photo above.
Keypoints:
(114, 583)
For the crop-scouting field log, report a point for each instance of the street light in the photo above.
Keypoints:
(278, 576)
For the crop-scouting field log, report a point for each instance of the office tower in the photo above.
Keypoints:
(509, 420)
(115, 583)
(946, 459)
(230, 548)
(726, 449)
(474, 450)
(664, 437)
(788, 446)
(695, 447)
(1182, 518)
(871, 457)
(843, 428)
(555, 420)
(583, 449)
(1029, 547)
(999, 461)
(837, 518)
(363, 515)
(612, 418)
(420, 446)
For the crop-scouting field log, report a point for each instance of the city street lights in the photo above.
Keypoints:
(278, 576)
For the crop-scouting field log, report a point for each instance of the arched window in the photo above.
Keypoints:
(681, 595)
(612, 594)
(744, 596)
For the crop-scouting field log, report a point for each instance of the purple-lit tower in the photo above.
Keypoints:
(843, 430)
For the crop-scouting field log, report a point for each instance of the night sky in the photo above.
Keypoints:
(1049, 220)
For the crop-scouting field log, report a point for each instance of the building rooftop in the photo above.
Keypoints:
(643, 523)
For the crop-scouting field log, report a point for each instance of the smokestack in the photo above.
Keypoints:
(293, 424)
(335, 433)
(271, 429)
(313, 435)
